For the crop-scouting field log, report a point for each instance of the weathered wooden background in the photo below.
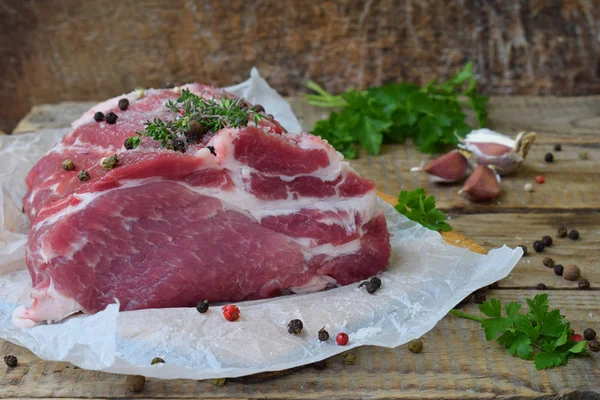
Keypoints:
(56, 50)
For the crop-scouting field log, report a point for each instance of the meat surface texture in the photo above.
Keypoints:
(271, 213)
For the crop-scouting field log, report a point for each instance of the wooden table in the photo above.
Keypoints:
(456, 361)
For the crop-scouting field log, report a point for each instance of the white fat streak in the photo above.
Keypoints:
(316, 283)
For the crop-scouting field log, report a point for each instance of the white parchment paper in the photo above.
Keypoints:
(426, 277)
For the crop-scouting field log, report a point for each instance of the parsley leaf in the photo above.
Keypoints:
(539, 334)
(432, 116)
(419, 207)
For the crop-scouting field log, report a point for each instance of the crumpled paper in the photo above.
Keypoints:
(426, 277)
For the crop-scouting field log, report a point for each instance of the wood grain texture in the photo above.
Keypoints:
(58, 50)
(456, 363)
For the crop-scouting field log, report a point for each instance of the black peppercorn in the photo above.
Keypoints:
(11, 361)
(212, 150)
(538, 246)
(323, 335)
(169, 85)
(559, 269)
(589, 334)
(196, 129)
(157, 360)
(548, 262)
(549, 157)
(123, 104)
(584, 284)
(98, 116)
(594, 345)
(541, 286)
(192, 139)
(547, 240)
(522, 246)
(464, 301)
(561, 232)
(478, 297)
(295, 327)
(83, 175)
(178, 145)
(111, 118)
(202, 306)
(557, 147)
(258, 108)
(372, 285)
(573, 235)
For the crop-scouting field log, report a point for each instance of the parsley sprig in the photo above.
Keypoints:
(539, 335)
(419, 207)
(432, 115)
(198, 114)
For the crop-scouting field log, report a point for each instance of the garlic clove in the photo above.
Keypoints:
(492, 148)
(450, 167)
(482, 185)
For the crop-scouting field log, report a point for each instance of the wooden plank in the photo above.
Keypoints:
(456, 363)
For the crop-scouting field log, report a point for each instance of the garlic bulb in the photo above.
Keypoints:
(492, 148)
(482, 185)
(450, 167)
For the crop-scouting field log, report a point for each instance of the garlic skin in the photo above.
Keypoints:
(492, 148)
(450, 167)
(483, 184)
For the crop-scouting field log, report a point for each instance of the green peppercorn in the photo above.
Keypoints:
(111, 118)
(123, 104)
(221, 382)
(561, 232)
(11, 361)
(323, 335)
(594, 345)
(295, 327)
(415, 345)
(589, 334)
(83, 175)
(157, 360)
(548, 262)
(349, 358)
(68, 165)
(110, 162)
(202, 306)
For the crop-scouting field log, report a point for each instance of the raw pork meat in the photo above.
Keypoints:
(270, 213)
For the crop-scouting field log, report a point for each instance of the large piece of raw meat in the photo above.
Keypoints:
(270, 213)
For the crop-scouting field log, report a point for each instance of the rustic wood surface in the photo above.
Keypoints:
(56, 50)
(456, 362)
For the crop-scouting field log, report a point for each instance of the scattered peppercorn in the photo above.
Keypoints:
(98, 116)
(540, 179)
(136, 383)
(478, 297)
(372, 285)
(576, 337)
(179, 145)
(139, 93)
(589, 334)
(221, 382)
(573, 235)
(157, 360)
(594, 345)
(192, 139)
(583, 155)
(548, 262)
(295, 327)
(464, 301)
(83, 175)
(320, 365)
(68, 165)
(557, 147)
(571, 272)
(559, 269)
(202, 306)
(111, 118)
(349, 358)
(538, 246)
(123, 104)
(549, 157)
(128, 144)
(541, 286)
(415, 345)
(231, 312)
(212, 150)
(528, 187)
(547, 240)
(561, 232)
(584, 284)
(323, 335)
(110, 162)
(341, 339)
(11, 361)
(258, 108)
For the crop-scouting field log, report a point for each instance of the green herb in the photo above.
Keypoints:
(419, 207)
(539, 335)
(211, 114)
(432, 115)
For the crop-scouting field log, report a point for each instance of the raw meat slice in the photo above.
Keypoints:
(271, 213)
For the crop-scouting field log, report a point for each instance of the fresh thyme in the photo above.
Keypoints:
(196, 114)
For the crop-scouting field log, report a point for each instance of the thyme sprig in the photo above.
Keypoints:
(196, 113)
